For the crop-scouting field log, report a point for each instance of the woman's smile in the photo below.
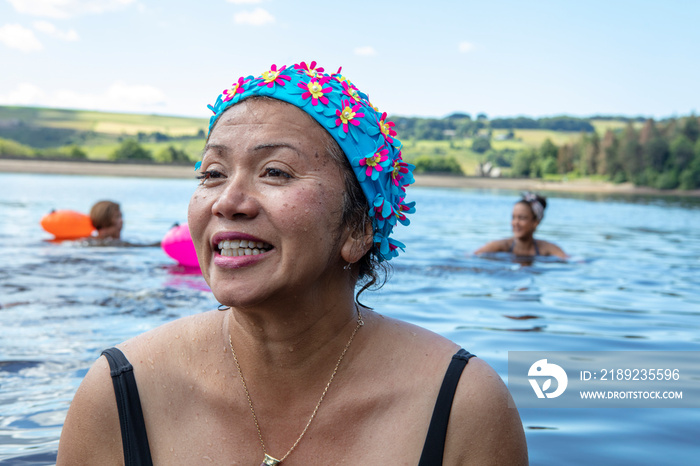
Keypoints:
(235, 250)
(260, 214)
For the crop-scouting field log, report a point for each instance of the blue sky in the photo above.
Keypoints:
(432, 58)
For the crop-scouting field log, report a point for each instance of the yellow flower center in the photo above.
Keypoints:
(346, 115)
(270, 76)
(374, 160)
(384, 127)
(316, 90)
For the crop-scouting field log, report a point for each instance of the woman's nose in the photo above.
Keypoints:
(236, 200)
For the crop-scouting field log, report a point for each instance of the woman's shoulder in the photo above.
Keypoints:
(499, 245)
(550, 249)
(91, 433)
(420, 358)
(409, 337)
(483, 404)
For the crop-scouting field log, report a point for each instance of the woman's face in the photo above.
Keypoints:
(268, 182)
(523, 221)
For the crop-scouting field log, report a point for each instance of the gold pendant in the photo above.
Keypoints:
(269, 461)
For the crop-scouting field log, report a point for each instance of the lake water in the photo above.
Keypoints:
(633, 284)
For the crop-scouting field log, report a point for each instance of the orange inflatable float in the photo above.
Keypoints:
(67, 224)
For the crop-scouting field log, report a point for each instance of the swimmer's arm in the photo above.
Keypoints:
(494, 246)
(554, 250)
(91, 433)
(483, 429)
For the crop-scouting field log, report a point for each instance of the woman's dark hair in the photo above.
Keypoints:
(529, 198)
(102, 214)
(371, 272)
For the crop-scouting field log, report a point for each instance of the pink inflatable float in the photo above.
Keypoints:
(177, 243)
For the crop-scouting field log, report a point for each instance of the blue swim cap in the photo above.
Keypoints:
(360, 129)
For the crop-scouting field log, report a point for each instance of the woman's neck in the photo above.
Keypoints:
(291, 335)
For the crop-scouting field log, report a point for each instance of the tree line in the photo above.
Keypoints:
(461, 125)
(663, 155)
(129, 149)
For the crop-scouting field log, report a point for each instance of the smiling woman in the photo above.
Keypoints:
(301, 186)
(528, 212)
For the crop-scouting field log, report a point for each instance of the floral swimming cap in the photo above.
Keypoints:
(360, 129)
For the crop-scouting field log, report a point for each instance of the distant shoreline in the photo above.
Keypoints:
(149, 170)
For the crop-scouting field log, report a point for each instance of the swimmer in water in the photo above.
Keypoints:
(527, 215)
(106, 217)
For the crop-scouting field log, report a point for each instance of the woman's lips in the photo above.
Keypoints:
(235, 250)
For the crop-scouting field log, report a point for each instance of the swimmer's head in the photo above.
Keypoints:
(362, 134)
(536, 203)
(106, 217)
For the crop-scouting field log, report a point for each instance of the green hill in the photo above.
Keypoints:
(49, 127)
(663, 154)
(52, 132)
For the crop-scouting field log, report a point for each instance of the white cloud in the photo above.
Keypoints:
(119, 97)
(257, 17)
(62, 9)
(366, 51)
(244, 2)
(465, 47)
(17, 37)
(50, 29)
(24, 94)
(132, 95)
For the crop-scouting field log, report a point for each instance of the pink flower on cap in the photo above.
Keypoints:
(273, 76)
(387, 128)
(236, 89)
(315, 90)
(348, 115)
(309, 69)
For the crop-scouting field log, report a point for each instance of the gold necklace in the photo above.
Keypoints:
(269, 460)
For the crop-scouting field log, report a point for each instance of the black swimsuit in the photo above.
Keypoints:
(537, 250)
(133, 427)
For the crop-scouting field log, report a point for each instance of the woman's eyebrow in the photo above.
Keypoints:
(275, 145)
(217, 147)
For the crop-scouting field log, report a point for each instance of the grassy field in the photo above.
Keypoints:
(99, 133)
(102, 122)
(601, 126)
(457, 148)
(193, 148)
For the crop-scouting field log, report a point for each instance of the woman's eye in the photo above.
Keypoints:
(208, 175)
(276, 172)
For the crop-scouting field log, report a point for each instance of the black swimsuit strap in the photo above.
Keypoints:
(534, 242)
(434, 447)
(133, 427)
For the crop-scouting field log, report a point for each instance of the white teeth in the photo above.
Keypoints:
(235, 248)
